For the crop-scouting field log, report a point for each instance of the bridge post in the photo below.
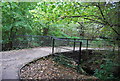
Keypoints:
(79, 58)
(87, 45)
(53, 45)
(114, 47)
(74, 45)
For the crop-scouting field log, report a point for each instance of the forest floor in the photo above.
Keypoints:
(46, 68)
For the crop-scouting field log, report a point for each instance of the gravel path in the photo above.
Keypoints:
(13, 60)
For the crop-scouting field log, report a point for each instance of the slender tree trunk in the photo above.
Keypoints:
(45, 31)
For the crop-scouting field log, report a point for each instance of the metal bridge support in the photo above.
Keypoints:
(53, 45)
(87, 45)
(74, 45)
(79, 59)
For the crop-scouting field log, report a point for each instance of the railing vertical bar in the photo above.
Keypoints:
(80, 53)
(74, 45)
(87, 45)
(68, 41)
(53, 45)
(114, 47)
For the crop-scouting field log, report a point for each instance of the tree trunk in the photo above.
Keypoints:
(45, 31)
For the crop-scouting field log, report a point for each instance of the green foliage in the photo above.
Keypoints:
(61, 59)
(105, 72)
(68, 62)
(15, 19)
(53, 19)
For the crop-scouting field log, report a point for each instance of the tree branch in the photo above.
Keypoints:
(101, 12)
(107, 23)
(63, 17)
(94, 21)
(103, 19)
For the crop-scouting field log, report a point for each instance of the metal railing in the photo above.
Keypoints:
(29, 41)
(62, 43)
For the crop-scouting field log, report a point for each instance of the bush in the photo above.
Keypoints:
(106, 71)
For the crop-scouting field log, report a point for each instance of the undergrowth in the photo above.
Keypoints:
(68, 62)
(106, 71)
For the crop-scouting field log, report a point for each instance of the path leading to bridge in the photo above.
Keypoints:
(13, 60)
